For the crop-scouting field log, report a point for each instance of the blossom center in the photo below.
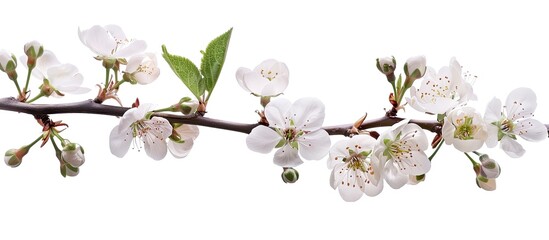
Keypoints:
(268, 74)
(465, 129)
(145, 133)
(144, 68)
(357, 160)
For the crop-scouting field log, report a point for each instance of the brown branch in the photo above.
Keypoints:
(91, 107)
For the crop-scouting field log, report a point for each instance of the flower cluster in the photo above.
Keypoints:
(114, 48)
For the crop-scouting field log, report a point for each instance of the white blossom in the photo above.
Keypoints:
(142, 68)
(183, 143)
(63, 78)
(110, 42)
(270, 78)
(442, 91)
(293, 128)
(402, 148)
(355, 170)
(465, 129)
(135, 128)
(515, 119)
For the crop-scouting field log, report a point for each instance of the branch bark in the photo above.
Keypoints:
(91, 107)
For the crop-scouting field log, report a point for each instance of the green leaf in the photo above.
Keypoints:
(186, 71)
(213, 59)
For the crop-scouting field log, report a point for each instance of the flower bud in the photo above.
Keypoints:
(8, 63)
(14, 157)
(290, 175)
(67, 170)
(489, 167)
(33, 50)
(414, 68)
(386, 65)
(189, 107)
(488, 184)
(73, 154)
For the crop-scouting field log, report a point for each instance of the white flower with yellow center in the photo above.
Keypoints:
(442, 91)
(293, 128)
(356, 171)
(110, 42)
(136, 128)
(142, 68)
(270, 78)
(516, 119)
(465, 129)
(402, 148)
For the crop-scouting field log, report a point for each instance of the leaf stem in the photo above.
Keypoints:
(436, 150)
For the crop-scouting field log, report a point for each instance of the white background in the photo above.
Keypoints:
(223, 190)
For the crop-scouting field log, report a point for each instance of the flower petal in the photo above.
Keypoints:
(492, 135)
(349, 193)
(287, 157)
(181, 150)
(155, 139)
(275, 87)
(417, 135)
(45, 62)
(314, 145)
(511, 147)
(130, 49)
(188, 133)
(338, 152)
(520, 103)
(262, 139)
(393, 176)
(240, 77)
(120, 140)
(493, 111)
(116, 32)
(531, 129)
(255, 82)
(468, 145)
(307, 113)
(99, 41)
(276, 113)
(350, 186)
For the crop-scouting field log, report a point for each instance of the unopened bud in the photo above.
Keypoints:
(414, 68)
(73, 154)
(8, 63)
(488, 184)
(386, 65)
(290, 175)
(489, 167)
(14, 157)
(188, 105)
(33, 50)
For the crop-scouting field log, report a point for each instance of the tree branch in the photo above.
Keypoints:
(91, 107)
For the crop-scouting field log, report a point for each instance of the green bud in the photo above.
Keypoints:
(14, 157)
(290, 175)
